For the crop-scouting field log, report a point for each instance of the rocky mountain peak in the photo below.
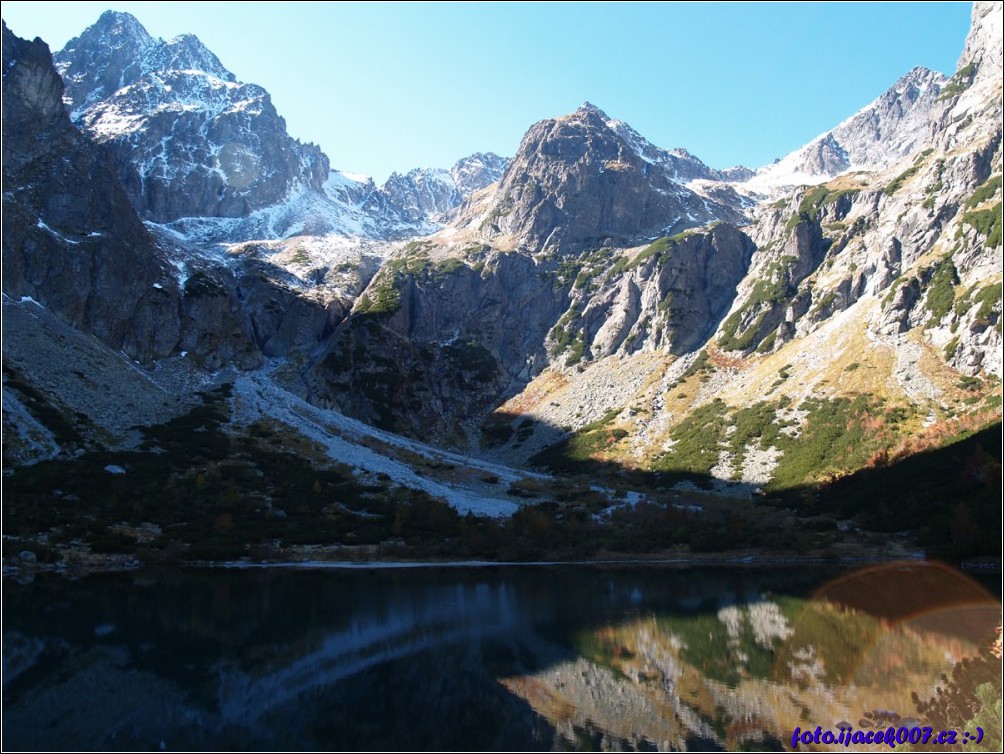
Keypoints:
(585, 180)
(119, 22)
(103, 58)
(589, 110)
(420, 194)
(117, 51)
(118, 28)
(827, 157)
(681, 165)
(189, 139)
(910, 88)
(895, 124)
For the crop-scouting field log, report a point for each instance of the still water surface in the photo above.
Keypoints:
(475, 658)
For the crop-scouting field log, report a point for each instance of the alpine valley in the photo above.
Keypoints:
(218, 347)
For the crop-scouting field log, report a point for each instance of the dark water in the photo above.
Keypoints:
(473, 658)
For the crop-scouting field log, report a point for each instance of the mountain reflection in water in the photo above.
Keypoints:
(481, 658)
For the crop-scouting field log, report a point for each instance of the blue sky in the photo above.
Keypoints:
(384, 87)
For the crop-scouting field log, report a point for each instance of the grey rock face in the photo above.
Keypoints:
(971, 101)
(984, 48)
(71, 240)
(216, 330)
(458, 336)
(909, 242)
(671, 301)
(895, 125)
(450, 339)
(283, 320)
(825, 157)
(577, 183)
(189, 140)
(895, 318)
(737, 174)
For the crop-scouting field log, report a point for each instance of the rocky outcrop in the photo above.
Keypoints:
(189, 139)
(577, 183)
(971, 100)
(921, 237)
(885, 235)
(283, 319)
(984, 48)
(668, 297)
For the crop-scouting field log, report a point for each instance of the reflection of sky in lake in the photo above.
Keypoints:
(490, 657)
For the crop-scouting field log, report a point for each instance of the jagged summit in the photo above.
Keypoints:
(588, 108)
(96, 63)
(883, 132)
(111, 20)
(190, 140)
(114, 24)
(117, 51)
(585, 179)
